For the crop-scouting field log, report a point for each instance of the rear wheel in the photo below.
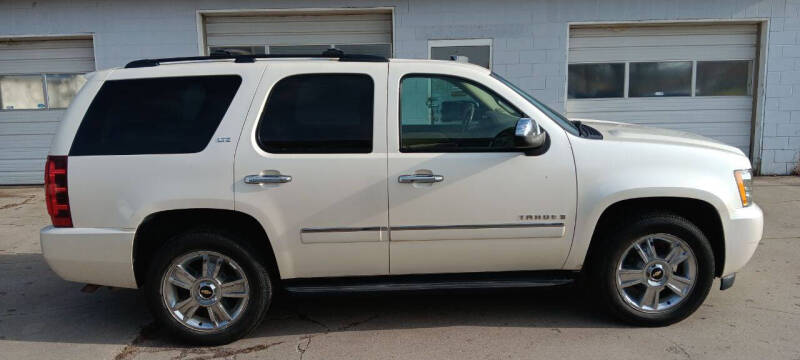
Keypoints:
(206, 288)
(654, 270)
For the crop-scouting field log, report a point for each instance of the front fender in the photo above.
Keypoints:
(588, 217)
(611, 171)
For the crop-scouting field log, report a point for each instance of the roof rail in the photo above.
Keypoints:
(328, 54)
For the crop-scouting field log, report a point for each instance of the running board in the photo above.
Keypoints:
(368, 284)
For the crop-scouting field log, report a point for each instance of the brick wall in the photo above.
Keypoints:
(530, 38)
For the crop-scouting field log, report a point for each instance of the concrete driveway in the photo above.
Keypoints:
(43, 317)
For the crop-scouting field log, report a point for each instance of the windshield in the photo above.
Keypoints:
(558, 118)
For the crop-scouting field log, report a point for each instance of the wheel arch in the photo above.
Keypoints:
(700, 212)
(157, 228)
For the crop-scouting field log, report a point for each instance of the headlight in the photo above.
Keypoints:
(744, 181)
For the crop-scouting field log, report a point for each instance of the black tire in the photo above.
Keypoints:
(617, 239)
(258, 280)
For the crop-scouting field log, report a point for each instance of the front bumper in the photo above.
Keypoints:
(743, 230)
(90, 255)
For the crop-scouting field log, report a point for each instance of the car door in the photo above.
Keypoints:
(461, 198)
(311, 167)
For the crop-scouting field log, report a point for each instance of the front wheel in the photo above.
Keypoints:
(207, 289)
(653, 271)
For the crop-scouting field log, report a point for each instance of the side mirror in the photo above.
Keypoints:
(528, 135)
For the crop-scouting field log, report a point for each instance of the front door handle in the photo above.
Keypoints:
(267, 179)
(420, 179)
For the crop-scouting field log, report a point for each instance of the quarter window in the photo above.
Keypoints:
(448, 114)
(318, 114)
(155, 116)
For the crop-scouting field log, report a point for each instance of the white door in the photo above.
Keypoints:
(38, 79)
(696, 78)
(461, 199)
(311, 167)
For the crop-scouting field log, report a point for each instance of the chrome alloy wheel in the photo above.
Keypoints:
(205, 290)
(656, 273)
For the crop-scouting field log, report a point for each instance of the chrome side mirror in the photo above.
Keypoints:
(528, 135)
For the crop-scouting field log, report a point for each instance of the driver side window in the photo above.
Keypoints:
(450, 114)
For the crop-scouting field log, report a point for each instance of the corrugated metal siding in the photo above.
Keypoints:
(25, 135)
(725, 118)
(666, 42)
(46, 56)
(307, 29)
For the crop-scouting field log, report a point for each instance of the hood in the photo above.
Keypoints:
(616, 131)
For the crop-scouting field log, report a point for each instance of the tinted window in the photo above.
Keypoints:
(448, 114)
(319, 113)
(672, 78)
(155, 116)
(596, 81)
(723, 78)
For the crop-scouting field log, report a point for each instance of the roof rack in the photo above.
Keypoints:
(224, 55)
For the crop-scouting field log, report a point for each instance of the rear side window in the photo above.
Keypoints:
(171, 115)
(318, 114)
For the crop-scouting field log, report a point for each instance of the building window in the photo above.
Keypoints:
(318, 114)
(596, 81)
(660, 79)
(236, 50)
(474, 51)
(671, 78)
(39, 91)
(723, 78)
(384, 50)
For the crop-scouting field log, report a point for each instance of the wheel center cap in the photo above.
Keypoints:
(205, 292)
(657, 273)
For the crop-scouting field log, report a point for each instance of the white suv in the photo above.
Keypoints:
(213, 182)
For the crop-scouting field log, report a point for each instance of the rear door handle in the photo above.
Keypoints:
(420, 179)
(267, 179)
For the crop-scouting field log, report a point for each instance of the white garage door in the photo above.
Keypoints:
(696, 78)
(38, 79)
(355, 32)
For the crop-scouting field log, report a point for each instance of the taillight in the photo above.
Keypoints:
(55, 191)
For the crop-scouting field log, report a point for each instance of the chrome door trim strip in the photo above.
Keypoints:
(472, 227)
(430, 227)
(343, 229)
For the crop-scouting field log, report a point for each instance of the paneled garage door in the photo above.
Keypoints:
(696, 78)
(353, 31)
(38, 79)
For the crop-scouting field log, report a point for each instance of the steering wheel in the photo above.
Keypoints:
(503, 139)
